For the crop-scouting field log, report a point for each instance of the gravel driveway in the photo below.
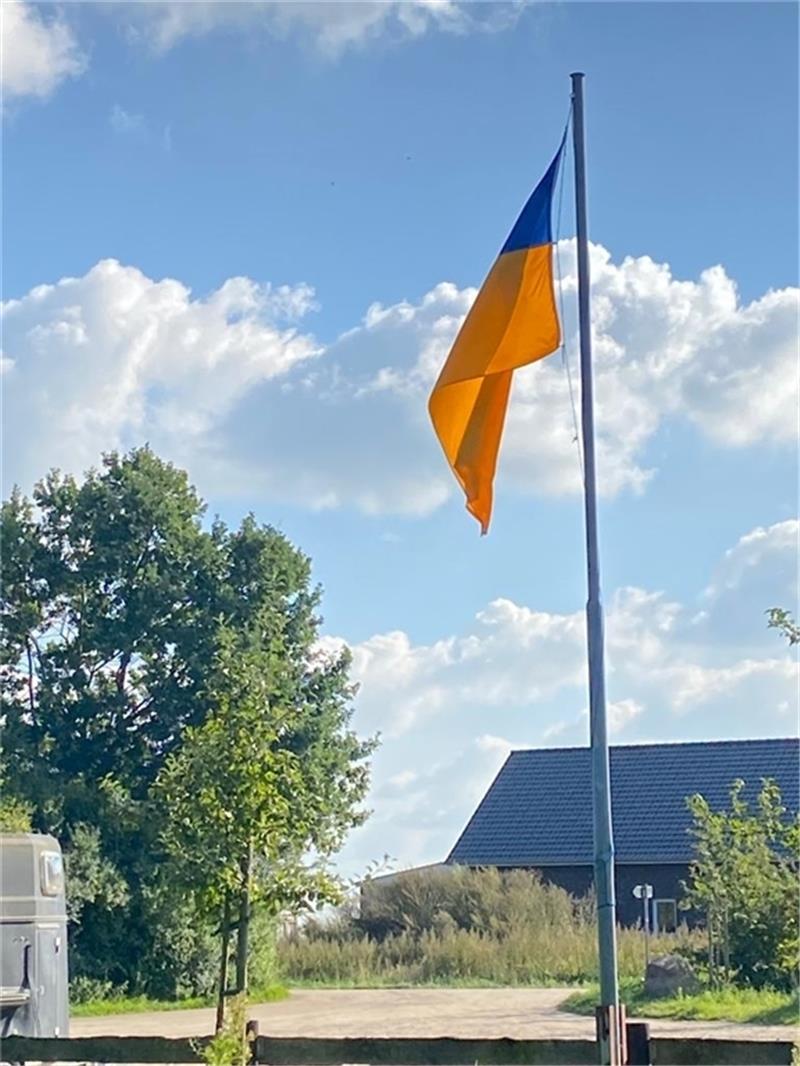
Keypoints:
(523, 1013)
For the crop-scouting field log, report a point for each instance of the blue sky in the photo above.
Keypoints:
(274, 218)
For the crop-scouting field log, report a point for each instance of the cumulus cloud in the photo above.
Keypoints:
(38, 51)
(667, 348)
(755, 574)
(515, 659)
(329, 27)
(404, 684)
(657, 339)
(618, 715)
(779, 541)
(115, 358)
(693, 684)
(416, 820)
(521, 673)
(256, 414)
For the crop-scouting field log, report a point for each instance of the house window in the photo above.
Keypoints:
(665, 913)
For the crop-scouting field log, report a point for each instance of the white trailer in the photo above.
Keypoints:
(34, 998)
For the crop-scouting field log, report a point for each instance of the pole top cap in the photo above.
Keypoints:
(577, 74)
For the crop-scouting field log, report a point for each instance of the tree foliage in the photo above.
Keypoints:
(271, 775)
(105, 627)
(257, 777)
(782, 620)
(744, 881)
(137, 645)
(15, 814)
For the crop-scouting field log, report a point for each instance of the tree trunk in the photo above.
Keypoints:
(243, 931)
(225, 931)
(31, 695)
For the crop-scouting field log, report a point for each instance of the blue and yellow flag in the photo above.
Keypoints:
(513, 322)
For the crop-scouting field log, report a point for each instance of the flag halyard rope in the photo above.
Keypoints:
(563, 347)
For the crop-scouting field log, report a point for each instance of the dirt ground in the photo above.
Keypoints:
(522, 1013)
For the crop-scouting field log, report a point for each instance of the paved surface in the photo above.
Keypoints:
(524, 1013)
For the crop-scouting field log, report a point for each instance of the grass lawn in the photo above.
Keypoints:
(141, 1004)
(759, 1006)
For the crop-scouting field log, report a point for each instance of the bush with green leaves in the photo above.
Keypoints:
(485, 900)
(229, 1047)
(83, 989)
(744, 881)
(460, 925)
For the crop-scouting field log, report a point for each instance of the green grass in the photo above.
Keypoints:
(463, 928)
(544, 953)
(757, 1006)
(142, 1004)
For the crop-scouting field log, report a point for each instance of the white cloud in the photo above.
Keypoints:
(757, 573)
(662, 348)
(693, 684)
(309, 438)
(402, 779)
(656, 341)
(621, 713)
(780, 540)
(38, 51)
(515, 659)
(742, 385)
(488, 742)
(618, 716)
(115, 358)
(228, 383)
(512, 658)
(447, 708)
(330, 27)
(418, 819)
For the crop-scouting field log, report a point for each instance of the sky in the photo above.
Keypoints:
(247, 234)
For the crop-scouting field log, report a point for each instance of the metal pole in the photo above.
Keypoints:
(601, 779)
(646, 902)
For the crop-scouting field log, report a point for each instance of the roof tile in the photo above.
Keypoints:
(538, 810)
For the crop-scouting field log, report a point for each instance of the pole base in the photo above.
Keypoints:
(611, 1036)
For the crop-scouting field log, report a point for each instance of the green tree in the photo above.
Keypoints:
(271, 776)
(104, 626)
(744, 881)
(116, 602)
(107, 627)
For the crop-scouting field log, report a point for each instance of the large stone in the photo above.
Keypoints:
(667, 975)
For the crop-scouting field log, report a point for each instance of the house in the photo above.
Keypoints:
(537, 813)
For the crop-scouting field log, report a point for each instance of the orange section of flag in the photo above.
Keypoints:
(513, 322)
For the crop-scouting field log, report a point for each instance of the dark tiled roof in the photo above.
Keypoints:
(538, 810)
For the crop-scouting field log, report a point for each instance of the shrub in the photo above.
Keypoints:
(84, 989)
(463, 926)
(744, 881)
(229, 1046)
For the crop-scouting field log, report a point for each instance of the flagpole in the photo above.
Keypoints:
(601, 780)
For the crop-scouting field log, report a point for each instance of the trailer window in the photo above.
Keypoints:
(52, 867)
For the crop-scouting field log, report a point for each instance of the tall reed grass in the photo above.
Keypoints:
(462, 926)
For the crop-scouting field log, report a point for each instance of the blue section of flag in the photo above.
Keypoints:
(534, 225)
